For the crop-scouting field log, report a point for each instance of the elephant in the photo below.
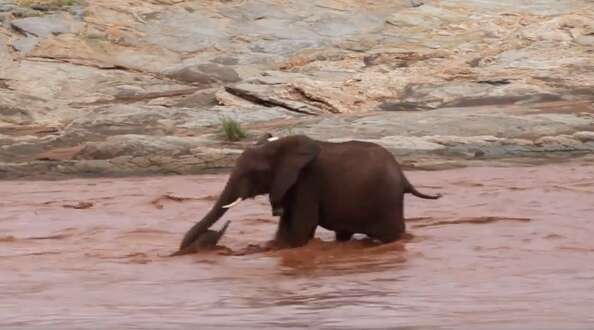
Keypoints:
(352, 187)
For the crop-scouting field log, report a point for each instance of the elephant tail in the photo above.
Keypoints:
(409, 188)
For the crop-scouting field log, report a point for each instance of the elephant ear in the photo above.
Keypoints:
(297, 154)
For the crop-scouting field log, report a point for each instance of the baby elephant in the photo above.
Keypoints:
(206, 241)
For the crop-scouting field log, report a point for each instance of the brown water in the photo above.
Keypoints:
(504, 248)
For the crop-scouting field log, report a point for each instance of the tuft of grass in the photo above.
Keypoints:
(232, 129)
(94, 36)
(49, 4)
(291, 130)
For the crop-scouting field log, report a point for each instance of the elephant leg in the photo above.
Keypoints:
(343, 236)
(388, 231)
(283, 232)
(304, 220)
(391, 227)
(295, 228)
(300, 217)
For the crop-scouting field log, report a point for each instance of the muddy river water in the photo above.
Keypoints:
(504, 248)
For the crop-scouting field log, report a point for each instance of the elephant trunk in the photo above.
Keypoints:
(227, 197)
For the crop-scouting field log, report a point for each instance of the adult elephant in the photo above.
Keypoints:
(349, 187)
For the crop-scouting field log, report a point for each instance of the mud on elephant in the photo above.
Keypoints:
(349, 187)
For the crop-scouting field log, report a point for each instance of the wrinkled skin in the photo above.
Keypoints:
(349, 187)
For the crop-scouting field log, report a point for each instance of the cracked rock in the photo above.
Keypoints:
(46, 25)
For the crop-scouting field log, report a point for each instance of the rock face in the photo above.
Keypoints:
(47, 25)
(106, 86)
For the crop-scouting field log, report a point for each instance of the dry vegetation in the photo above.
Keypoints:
(50, 4)
(232, 129)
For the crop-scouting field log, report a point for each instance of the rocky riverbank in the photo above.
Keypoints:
(108, 87)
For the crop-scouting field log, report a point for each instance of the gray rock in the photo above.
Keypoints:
(221, 73)
(584, 136)
(479, 123)
(204, 74)
(225, 60)
(5, 57)
(126, 119)
(138, 145)
(7, 6)
(200, 99)
(586, 40)
(14, 115)
(15, 149)
(46, 25)
(5, 19)
(426, 17)
(181, 31)
(401, 144)
(128, 91)
(25, 45)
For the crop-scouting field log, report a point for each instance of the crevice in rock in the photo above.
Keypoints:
(80, 61)
(269, 102)
(95, 64)
(316, 100)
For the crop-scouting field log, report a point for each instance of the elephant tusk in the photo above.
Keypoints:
(270, 139)
(230, 205)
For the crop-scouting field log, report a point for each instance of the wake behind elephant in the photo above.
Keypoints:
(348, 187)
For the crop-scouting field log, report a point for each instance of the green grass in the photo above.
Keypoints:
(232, 129)
(291, 131)
(94, 36)
(52, 4)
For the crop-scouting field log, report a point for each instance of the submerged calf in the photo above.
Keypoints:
(206, 241)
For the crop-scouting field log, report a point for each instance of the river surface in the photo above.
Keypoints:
(505, 248)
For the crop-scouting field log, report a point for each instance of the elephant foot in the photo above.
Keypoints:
(275, 244)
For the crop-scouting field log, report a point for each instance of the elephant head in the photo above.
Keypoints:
(271, 167)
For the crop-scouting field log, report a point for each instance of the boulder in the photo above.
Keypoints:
(203, 74)
(25, 45)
